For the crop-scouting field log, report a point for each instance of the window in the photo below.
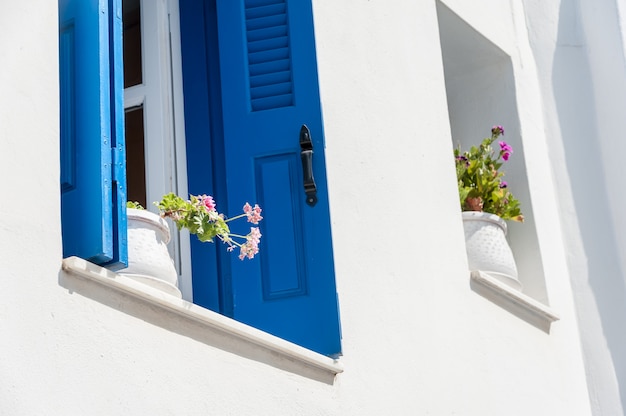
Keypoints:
(249, 83)
(480, 89)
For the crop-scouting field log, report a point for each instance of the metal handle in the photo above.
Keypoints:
(307, 165)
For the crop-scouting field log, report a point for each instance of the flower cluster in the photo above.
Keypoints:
(481, 187)
(199, 215)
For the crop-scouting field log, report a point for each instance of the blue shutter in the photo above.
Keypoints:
(268, 90)
(93, 178)
(202, 123)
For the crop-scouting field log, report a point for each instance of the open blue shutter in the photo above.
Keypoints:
(269, 89)
(93, 179)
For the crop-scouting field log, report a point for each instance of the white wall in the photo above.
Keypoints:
(579, 49)
(417, 338)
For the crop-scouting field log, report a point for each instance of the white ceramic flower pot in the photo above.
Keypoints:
(488, 250)
(149, 262)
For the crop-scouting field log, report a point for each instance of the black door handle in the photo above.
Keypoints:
(306, 153)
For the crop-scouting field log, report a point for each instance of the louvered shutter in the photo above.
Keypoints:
(263, 52)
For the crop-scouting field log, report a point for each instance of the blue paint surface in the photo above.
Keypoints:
(92, 145)
(250, 83)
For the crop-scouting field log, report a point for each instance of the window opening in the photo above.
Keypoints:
(480, 89)
(135, 156)
(154, 164)
(133, 74)
(134, 116)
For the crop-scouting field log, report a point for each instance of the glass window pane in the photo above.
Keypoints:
(135, 156)
(132, 43)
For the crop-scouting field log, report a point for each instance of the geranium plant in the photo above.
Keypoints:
(481, 187)
(199, 215)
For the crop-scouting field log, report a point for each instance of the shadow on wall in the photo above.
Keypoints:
(589, 235)
(214, 337)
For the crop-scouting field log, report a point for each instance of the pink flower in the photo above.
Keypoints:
(251, 246)
(248, 250)
(497, 130)
(208, 202)
(255, 235)
(506, 150)
(253, 214)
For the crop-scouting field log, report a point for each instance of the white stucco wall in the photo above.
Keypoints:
(579, 49)
(417, 339)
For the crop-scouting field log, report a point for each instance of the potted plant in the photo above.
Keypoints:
(148, 234)
(486, 202)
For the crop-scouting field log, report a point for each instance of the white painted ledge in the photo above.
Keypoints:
(237, 332)
(513, 300)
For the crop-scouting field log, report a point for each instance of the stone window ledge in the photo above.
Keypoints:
(514, 301)
(239, 338)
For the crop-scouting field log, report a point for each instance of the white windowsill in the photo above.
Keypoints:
(513, 300)
(237, 332)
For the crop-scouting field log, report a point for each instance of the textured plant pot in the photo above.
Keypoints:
(149, 262)
(488, 250)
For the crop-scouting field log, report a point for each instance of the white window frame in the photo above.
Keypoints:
(161, 96)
